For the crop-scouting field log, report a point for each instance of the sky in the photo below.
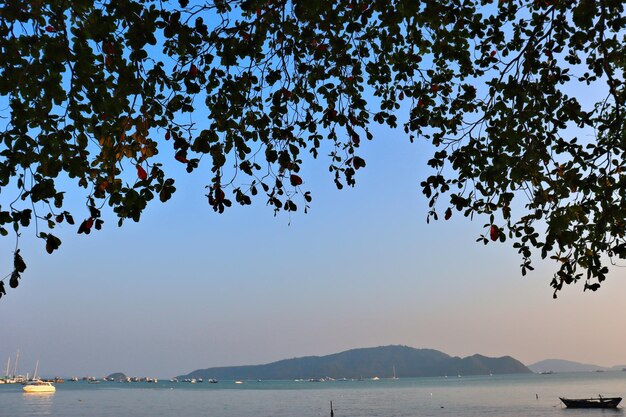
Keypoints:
(187, 288)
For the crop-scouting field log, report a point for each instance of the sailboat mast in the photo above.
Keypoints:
(17, 358)
(8, 367)
(36, 366)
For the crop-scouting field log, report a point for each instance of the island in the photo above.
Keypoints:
(376, 362)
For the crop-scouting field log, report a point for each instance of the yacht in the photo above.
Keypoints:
(38, 386)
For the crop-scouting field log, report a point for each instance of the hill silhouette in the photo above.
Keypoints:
(562, 365)
(368, 363)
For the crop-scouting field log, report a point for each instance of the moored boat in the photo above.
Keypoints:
(596, 402)
(38, 386)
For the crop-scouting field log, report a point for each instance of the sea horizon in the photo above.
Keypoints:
(471, 396)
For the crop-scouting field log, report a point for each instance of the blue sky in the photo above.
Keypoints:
(187, 288)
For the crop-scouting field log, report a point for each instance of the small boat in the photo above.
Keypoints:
(597, 402)
(38, 386)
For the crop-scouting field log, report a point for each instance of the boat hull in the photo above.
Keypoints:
(38, 388)
(599, 402)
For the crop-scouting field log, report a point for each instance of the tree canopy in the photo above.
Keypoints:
(92, 91)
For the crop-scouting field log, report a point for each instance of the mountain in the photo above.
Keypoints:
(367, 363)
(117, 376)
(560, 365)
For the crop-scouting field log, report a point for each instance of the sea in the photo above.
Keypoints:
(476, 396)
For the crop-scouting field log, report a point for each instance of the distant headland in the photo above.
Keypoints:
(376, 362)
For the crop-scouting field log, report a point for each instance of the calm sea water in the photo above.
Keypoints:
(504, 396)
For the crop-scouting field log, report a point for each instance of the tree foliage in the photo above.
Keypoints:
(91, 92)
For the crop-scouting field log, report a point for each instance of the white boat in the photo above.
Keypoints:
(38, 386)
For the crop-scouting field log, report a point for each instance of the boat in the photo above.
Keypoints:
(595, 402)
(36, 386)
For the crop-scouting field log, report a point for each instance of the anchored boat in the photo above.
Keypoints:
(38, 386)
(597, 402)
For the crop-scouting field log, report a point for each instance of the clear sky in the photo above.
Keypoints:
(187, 288)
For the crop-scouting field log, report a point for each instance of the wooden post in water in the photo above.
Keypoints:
(332, 413)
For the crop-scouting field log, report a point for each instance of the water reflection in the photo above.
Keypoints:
(39, 403)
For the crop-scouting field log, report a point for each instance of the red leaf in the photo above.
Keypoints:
(141, 173)
(448, 213)
(193, 71)
(85, 226)
(494, 232)
(358, 162)
(181, 157)
(295, 180)
(50, 29)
